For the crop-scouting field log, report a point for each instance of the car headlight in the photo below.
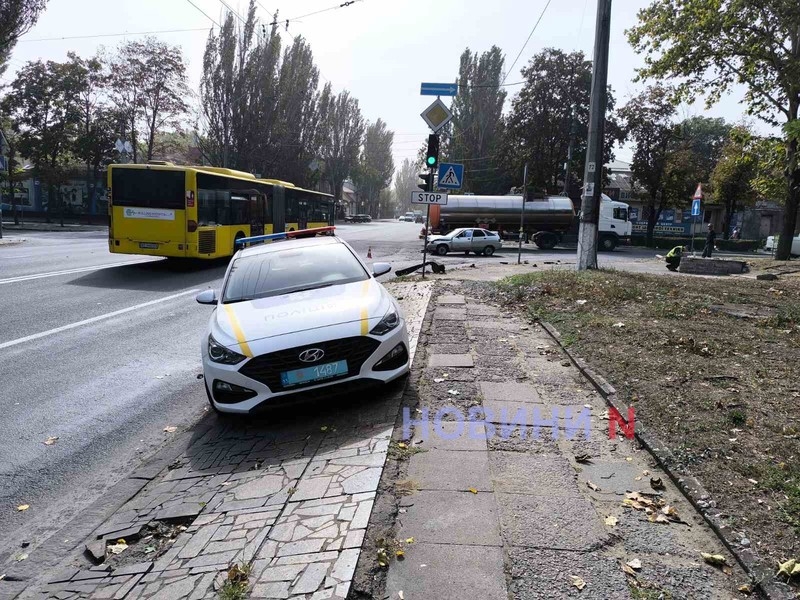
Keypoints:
(388, 322)
(220, 354)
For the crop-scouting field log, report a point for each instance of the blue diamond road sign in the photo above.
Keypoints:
(451, 176)
(438, 89)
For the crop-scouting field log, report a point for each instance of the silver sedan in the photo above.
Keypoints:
(479, 241)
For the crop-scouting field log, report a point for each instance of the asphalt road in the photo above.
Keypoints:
(102, 352)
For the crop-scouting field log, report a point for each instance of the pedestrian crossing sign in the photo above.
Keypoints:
(451, 176)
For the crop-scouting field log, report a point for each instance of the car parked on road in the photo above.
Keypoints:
(305, 316)
(479, 241)
(772, 244)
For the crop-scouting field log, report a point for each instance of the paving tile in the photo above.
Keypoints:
(450, 360)
(363, 481)
(310, 489)
(452, 572)
(354, 538)
(178, 590)
(452, 518)
(450, 299)
(450, 470)
(515, 392)
(301, 547)
(450, 314)
(615, 478)
(199, 539)
(542, 475)
(263, 487)
(311, 579)
(281, 573)
(550, 522)
(273, 589)
(345, 565)
(178, 511)
(449, 435)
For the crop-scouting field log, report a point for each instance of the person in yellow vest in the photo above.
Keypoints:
(674, 257)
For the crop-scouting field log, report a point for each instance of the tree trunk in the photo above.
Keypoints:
(11, 187)
(652, 219)
(730, 208)
(792, 200)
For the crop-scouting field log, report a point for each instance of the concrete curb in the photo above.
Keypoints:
(691, 488)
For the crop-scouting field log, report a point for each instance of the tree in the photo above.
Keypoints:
(375, 167)
(343, 131)
(550, 111)
(45, 112)
(12, 140)
(711, 45)
(148, 83)
(17, 17)
(405, 182)
(648, 123)
(732, 178)
(477, 125)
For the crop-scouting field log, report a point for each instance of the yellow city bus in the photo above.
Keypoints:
(160, 209)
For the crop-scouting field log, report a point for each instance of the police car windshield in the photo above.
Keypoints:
(291, 270)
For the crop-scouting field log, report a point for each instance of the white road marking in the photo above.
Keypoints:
(49, 332)
(72, 271)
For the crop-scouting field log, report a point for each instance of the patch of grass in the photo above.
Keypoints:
(737, 417)
(786, 317)
(236, 584)
(784, 480)
(403, 450)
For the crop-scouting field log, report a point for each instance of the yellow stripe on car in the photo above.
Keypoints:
(365, 308)
(237, 331)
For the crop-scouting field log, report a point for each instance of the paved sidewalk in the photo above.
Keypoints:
(286, 501)
(489, 512)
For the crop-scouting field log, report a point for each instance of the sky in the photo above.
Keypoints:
(380, 50)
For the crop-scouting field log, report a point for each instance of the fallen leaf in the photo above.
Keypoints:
(410, 540)
(727, 570)
(796, 570)
(581, 302)
(149, 549)
(577, 582)
(656, 483)
(634, 564)
(400, 554)
(453, 392)
(714, 559)
(611, 520)
(21, 557)
(786, 568)
(438, 380)
(583, 458)
(402, 445)
(658, 518)
(620, 324)
(473, 490)
(117, 548)
(628, 458)
(645, 472)
(745, 589)
(170, 429)
(753, 481)
(628, 570)
(592, 486)
(50, 440)
(324, 428)
(23, 507)
(400, 595)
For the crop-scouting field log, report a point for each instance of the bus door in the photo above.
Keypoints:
(303, 208)
(278, 209)
(257, 211)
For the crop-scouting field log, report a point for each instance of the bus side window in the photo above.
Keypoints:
(223, 207)
(206, 207)
(240, 210)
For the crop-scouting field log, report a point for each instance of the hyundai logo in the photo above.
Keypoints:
(311, 355)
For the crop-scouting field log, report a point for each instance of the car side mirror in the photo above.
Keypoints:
(207, 297)
(379, 269)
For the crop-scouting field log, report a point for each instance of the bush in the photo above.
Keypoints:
(667, 243)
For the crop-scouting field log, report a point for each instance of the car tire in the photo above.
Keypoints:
(488, 251)
(608, 243)
(441, 249)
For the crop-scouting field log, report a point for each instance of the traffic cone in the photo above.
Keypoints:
(369, 252)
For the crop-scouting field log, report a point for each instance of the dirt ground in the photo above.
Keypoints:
(712, 365)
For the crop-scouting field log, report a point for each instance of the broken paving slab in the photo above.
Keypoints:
(550, 522)
(448, 572)
(449, 435)
(614, 478)
(542, 475)
(514, 392)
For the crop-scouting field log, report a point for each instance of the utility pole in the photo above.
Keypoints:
(593, 173)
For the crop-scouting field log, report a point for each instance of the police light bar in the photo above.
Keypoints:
(283, 236)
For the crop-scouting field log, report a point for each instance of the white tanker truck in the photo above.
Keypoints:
(547, 221)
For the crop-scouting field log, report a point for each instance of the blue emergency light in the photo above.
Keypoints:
(283, 236)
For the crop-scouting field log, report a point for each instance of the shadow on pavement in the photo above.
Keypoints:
(157, 276)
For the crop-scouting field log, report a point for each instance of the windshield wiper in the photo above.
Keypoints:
(306, 289)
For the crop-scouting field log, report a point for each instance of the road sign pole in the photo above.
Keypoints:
(522, 212)
(427, 226)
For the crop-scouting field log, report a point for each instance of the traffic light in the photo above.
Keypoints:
(432, 156)
(428, 179)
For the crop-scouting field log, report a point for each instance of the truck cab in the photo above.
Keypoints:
(614, 226)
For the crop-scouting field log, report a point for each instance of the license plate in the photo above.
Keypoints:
(148, 245)
(315, 373)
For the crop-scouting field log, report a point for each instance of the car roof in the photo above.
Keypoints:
(279, 245)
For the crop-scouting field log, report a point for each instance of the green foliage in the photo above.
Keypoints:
(375, 166)
(551, 109)
(17, 17)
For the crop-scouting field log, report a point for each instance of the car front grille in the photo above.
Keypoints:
(267, 368)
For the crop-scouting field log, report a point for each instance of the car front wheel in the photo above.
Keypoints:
(441, 250)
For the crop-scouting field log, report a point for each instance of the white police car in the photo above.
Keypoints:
(299, 317)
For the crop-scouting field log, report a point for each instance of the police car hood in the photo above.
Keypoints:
(362, 303)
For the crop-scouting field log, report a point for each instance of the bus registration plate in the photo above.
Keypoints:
(315, 373)
(148, 245)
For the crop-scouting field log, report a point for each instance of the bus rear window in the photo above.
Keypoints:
(147, 188)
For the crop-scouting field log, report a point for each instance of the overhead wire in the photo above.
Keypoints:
(103, 35)
(530, 35)
(204, 13)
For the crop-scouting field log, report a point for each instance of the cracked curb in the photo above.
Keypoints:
(760, 574)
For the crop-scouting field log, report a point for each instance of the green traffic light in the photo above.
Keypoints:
(431, 160)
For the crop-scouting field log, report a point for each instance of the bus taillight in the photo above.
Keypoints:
(191, 226)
